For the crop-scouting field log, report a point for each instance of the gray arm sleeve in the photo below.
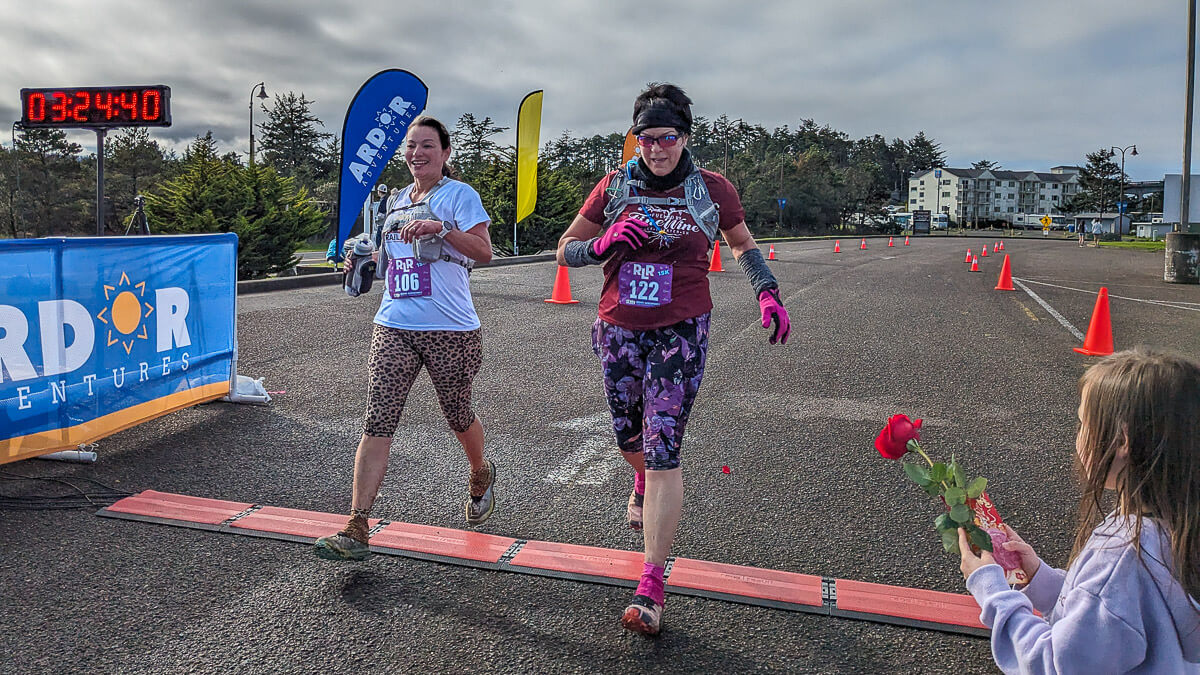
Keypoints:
(579, 253)
(756, 270)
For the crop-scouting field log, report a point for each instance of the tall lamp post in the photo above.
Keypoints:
(1121, 195)
(262, 94)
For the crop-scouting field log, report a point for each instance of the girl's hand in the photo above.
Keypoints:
(1030, 562)
(970, 561)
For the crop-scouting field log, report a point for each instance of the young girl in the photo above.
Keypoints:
(1126, 601)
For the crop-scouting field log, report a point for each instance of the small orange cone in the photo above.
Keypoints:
(983, 254)
(1005, 283)
(1099, 340)
(561, 295)
(1001, 244)
(975, 264)
(863, 246)
(891, 244)
(715, 264)
(968, 260)
(906, 240)
(837, 246)
(771, 253)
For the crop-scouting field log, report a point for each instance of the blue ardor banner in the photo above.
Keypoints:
(100, 334)
(376, 122)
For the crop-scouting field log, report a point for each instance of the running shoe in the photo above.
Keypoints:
(643, 615)
(634, 512)
(479, 509)
(349, 544)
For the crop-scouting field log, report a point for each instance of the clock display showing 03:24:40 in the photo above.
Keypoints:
(96, 107)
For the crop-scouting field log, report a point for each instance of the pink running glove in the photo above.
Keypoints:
(627, 231)
(772, 309)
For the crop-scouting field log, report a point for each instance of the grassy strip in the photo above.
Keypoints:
(1136, 245)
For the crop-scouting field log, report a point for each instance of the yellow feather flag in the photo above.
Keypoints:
(529, 126)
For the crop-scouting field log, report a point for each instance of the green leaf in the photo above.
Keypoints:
(950, 541)
(945, 522)
(937, 473)
(916, 474)
(960, 476)
(933, 489)
(962, 515)
(955, 496)
(980, 538)
(977, 487)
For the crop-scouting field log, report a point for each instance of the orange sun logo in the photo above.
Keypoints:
(125, 315)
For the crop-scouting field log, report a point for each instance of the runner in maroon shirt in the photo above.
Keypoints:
(652, 331)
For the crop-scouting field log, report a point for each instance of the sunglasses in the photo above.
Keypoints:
(664, 141)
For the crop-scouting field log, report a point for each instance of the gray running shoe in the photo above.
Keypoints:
(479, 509)
(343, 546)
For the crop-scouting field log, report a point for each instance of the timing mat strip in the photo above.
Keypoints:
(947, 612)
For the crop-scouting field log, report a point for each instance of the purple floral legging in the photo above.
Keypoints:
(651, 378)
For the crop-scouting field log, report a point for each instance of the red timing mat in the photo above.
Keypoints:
(948, 612)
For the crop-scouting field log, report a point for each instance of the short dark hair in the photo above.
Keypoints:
(443, 139)
(668, 95)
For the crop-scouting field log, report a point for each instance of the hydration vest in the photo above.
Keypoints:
(699, 204)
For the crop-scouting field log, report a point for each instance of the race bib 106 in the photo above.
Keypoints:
(408, 278)
(645, 284)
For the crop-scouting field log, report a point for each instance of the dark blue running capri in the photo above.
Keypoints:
(650, 379)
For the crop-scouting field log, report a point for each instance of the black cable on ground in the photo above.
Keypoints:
(78, 498)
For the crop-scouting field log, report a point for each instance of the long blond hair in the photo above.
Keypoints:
(1149, 401)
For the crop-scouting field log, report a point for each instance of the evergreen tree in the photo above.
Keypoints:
(133, 164)
(54, 199)
(986, 164)
(1099, 183)
(924, 153)
(270, 214)
(292, 139)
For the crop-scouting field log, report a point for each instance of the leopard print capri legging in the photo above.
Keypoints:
(452, 359)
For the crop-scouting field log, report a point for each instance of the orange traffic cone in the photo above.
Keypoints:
(837, 246)
(561, 295)
(1005, 283)
(1001, 244)
(983, 254)
(891, 244)
(906, 240)
(715, 264)
(863, 246)
(1099, 340)
(975, 264)
(771, 253)
(968, 260)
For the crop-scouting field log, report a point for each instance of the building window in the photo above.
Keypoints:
(1010, 195)
(1053, 198)
(1012, 183)
(912, 189)
(912, 201)
(946, 194)
(1010, 209)
(922, 195)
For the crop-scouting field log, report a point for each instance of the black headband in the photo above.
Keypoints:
(660, 113)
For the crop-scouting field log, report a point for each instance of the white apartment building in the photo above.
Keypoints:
(974, 195)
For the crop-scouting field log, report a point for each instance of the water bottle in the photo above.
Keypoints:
(360, 267)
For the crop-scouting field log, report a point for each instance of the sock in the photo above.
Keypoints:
(651, 584)
(639, 483)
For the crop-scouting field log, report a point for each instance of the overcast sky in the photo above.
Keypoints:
(1029, 84)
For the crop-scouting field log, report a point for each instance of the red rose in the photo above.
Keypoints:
(892, 441)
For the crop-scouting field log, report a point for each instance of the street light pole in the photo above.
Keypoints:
(262, 94)
(1121, 195)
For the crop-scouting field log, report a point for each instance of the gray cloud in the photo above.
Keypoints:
(1028, 84)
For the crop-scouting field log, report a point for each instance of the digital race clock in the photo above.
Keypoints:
(97, 107)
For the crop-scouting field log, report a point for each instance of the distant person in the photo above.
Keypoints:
(1127, 601)
(333, 254)
(435, 233)
(1096, 231)
(651, 225)
(1082, 232)
(379, 211)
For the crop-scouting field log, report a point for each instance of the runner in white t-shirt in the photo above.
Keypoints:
(436, 230)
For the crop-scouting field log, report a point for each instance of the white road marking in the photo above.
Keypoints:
(593, 459)
(1053, 312)
(1175, 304)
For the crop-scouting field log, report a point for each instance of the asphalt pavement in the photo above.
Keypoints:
(877, 332)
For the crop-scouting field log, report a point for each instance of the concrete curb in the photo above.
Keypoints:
(335, 278)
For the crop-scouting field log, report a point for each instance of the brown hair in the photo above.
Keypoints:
(443, 138)
(1147, 400)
